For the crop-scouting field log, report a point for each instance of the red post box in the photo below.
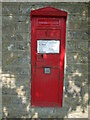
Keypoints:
(48, 30)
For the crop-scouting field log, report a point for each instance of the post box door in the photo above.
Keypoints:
(47, 66)
(47, 61)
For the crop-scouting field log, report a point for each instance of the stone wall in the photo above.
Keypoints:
(16, 62)
(0, 60)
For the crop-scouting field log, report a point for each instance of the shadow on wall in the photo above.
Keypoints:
(16, 80)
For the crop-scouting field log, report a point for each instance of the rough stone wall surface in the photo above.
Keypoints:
(16, 62)
(44, 1)
(0, 60)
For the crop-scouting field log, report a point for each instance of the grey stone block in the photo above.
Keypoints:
(9, 46)
(82, 46)
(11, 19)
(77, 78)
(16, 70)
(88, 20)
(16, 58)
(77, 68)
(77, 34)
(71, 46)
(8, 10)
(25, 37)
(6, 99)
(77, 25)
(77, 19)
(75, 8)
(15, 27)
(0, 45)
(79, 46)
(0, 9)
(8, 91)
(76, 57)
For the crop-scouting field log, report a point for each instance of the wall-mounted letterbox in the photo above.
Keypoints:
(48, 29)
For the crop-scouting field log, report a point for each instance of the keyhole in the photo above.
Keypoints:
(42, 55)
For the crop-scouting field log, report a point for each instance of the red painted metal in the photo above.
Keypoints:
(47, 89)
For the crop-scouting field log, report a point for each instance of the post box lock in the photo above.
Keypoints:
(48, 26)
(47, 70)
